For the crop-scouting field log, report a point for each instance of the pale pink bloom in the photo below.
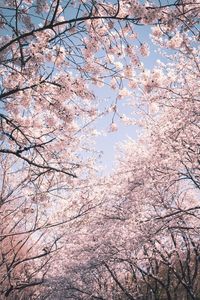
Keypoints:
(95, 132)
(123, 93)
(112, 108)
(113, 127)
(150, 16)
(127, 120)
(132, 83)
(175, 42)
(113, 84)
(144, 50)
(100, 83)
(110, 25)
(118, 65)
(133, 36)
(111, 58)
(153, 108)
(156, 32)
(50, 121)
(128, 72)
(135, 60)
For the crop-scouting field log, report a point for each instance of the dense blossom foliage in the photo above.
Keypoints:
(67, 232)
(143, 241)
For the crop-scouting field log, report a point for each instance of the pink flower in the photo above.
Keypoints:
(113, 127)
(144, 49)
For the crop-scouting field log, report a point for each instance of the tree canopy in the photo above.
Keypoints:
(67, 231)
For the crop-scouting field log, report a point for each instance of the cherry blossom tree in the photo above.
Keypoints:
(54, 56)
